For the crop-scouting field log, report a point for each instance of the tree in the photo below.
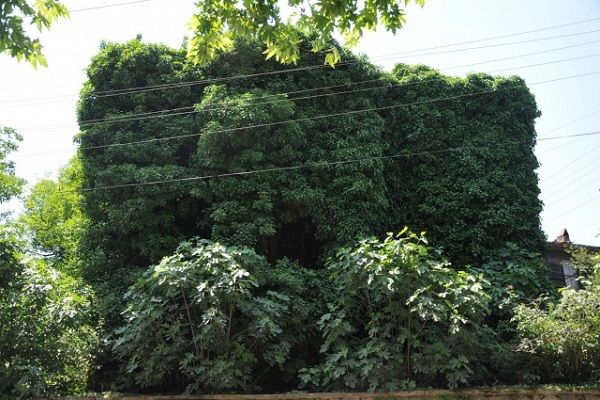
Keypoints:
(246, 153)
(216, 22)
(14, 40)
(53, 220)
(10, 184)
(46, 340)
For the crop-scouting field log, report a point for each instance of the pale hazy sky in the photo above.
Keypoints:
(553, 44)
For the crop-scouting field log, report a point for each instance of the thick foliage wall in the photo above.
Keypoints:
(236, 149)
(466, 167)
(460, 161)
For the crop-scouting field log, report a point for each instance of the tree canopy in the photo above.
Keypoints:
(52, 218)
(217, 22)
(10, 184)
(14, 38)
(215, 25)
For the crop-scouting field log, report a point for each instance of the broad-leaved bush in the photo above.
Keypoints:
(402, 316)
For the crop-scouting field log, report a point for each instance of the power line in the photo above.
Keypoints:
(501, 37)
(130, 117)
(165, 113)
(570, 136)
(143, 89)
(298, 120)
(574, 208)
(409, 54)
(571, 183)
(108, 6)
(572, 122)
(428, 101)
(545, 63)
(294, 167)
(330, 116)
(526, 55)
(573, 163)
(180, 84)
(288, 168)
(170, 86)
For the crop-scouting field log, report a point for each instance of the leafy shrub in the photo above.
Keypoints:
(200, 320)
(402, 317)
(512, 276)
(309, 291)
(562, 336)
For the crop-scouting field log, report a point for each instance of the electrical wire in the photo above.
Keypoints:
(296, 167)
(305, 119)
(410, 55)
(500, 37)
(288, 168)
(574, 208)
(524, 55)
(130, 117)
(108, 6)
(569, 184)
(169, 86)
(571, 122)
(167, 112)
(298, 120)
(573, 163)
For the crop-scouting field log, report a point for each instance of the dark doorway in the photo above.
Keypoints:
(296, 241)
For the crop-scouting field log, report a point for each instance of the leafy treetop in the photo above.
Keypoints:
(10, 184)
(14, 40)
(216, 21)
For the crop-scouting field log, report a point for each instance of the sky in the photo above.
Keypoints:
(553, 44)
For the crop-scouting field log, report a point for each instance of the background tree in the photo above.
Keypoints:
(53, 220)
(47, 342)
(10, 184)
(216, 22)
(14, 39)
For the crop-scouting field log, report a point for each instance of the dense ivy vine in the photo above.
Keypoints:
(241, 148)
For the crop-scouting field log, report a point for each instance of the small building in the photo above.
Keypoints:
(562, 271)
